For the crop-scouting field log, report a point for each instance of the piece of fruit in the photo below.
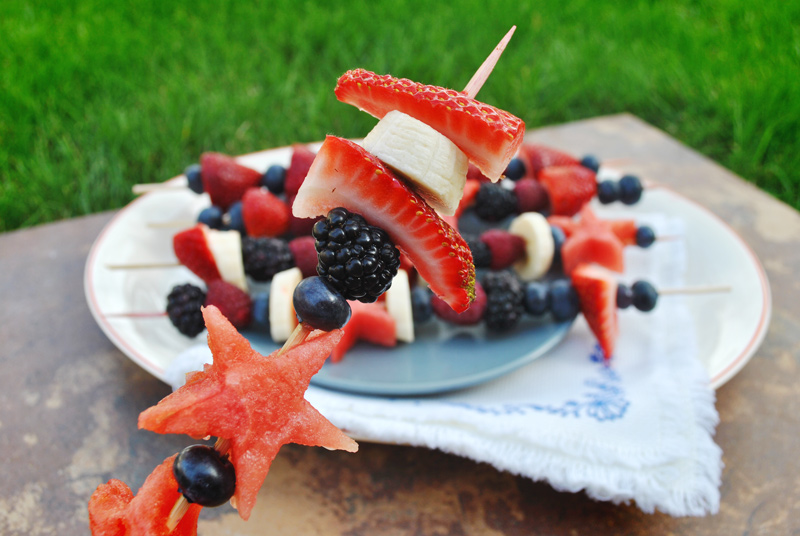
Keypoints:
(274, 179)
(226, 247)
(302, 158)
(264, 257)
(506, 248)
(645, 236)
(540, 157)
(630, 189)
(531, 196)
(264, 213)
(304, 254)
(608, 191)
(591, 161)
(644, 296)
(471, 188)
(565, 223)
(516, 169)
(625, 230)
(435, 167)
(537, 298)
(587, 245)
(493, 202)
(345, 175)
(183, 309)
(421, 300)
(568, 187)
(319, 305)
(488, 136)
(232, 301)
(370, 322)
(504, 301)
(537, 236)
(282, 318)
(254, 401)
(564, 303)
(597, 293)
(225, 180)
(191, 249)
(211, 216)
(398, 305)
(470, 317)
(204, 476)
(624, 296)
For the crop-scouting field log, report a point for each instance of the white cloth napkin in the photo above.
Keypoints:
(638, 430)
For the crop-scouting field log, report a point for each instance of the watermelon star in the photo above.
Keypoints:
(370, 322)
(254, 401)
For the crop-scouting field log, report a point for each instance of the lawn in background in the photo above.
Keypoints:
(96, 95)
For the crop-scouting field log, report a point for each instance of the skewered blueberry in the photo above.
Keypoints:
(260, 311)
(537, 298)
(235, 220)
(564, 304)
(274, 179)
(421, 308)
(630, 189)
(319, 305)
(645, 296)
(211, 216)
(194, 177)
(204, 476)
(559, 237)
(624, 296)
(645, 236)
(590, 161)
(515, 169)
(608, 191)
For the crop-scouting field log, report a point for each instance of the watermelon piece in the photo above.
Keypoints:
(369, 322)
(537, 157)
(264, 213)
(592, 245)
(345, 175)
(565, 223)
(225, 180)
(625, 231)
(569, 188)
(191, 248)
(597, 293)
(490, 137)
(254, 401)
(302, 158)
(114, 511)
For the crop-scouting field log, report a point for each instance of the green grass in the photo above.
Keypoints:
(96, 95)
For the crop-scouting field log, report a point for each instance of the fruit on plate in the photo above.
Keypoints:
(302, 158)
(369, 322)
(435, 167)
(539, 245)
(597, 245)
(226, 247)
(191, 249)
(114, 511)
(568, 187)
(256, 402)
(264, 213)
(538, 157)
(346, 175)
(233, 302)
(597, 293)
(398, 305)
(225, 180)
(282, 318)
(490, 137)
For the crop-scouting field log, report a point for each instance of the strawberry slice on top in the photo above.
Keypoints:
(490, 137)
(346, 175)
(597, 293)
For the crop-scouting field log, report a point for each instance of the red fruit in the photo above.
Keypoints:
(114, 511)
(233, 302)
(264, 214)
(470, 317)
(305, 255)
(488, 136)
(471, 188)
(192, 250)
(299, 226)
(597, 292)
(565, 223)
(369, 322)
(569, 188)
(539, 157)
(473, 173)
(255, 401)
(345, 175)
(592, 245)
(625, 231)
(531, 196)
(506, 248)
(225, 180)
(302, 157)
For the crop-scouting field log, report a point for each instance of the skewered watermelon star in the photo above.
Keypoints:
(254, 401)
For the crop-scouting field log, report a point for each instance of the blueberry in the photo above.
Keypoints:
(319, 305)
(274, 179)
(645, 296)
(564, 303)
(624, 296)
(608, 191)
(195, 178)
(630, 189)
(558, 241)
(260, 311)
(204, 476)
(537, 298)
(645, 236)
(590, 161)
(235, 220)
(515, 170)
(211, 216)
(421, 307)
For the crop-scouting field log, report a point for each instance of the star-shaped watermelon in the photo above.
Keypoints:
(255, 401)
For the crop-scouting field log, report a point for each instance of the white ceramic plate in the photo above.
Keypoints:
(727, 338)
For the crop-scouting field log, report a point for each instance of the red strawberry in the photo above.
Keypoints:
(305, 254)
(225, 180)
(192, 250)
(345, 175)
(565, 223)
(470, 317)
(299, 226)
(506, 248)
(597, 292)
(264, 214)
(370, 322)
(488, 136)
(475, 174)
(539, 157)
(302, 157)
(471, 188)
(233, 302)
(531, 196)
(568, 187)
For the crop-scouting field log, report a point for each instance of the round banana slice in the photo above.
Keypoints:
(539, 245)
(282, 318)
(398, 303)
(226, 247)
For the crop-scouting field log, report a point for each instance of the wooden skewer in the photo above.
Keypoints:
(476, 82)
(144, 188)
(171, 224)
(702, 289)
(144, 265)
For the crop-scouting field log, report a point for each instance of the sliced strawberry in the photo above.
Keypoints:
(233, 302)
(488, 136)
(345, 175)
(225, 180)
(302, 157)
(192, 250)
(264, 214)
(568, 187)
(471, 188)
(565, 223)
(597, 292)
(539, 157)
(369, 322)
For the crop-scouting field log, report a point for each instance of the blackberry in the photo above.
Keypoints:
(264, 257)
(494, 202)
(504, 307)
(183, 308)
(481, 254)
(357, 259)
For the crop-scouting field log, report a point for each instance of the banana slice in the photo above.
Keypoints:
(539, 245)
(226, 247)
(282, 318)
(398, 303)
(436, 168)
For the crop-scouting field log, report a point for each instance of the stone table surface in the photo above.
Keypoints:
(69, 400)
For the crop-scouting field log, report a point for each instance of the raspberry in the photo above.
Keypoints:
(505, 248)
(471, 316)
(233, 302)
(504, 295)
(183, 308)
(304, 254)
(531, 196)
(494, 203)
(265, 257)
